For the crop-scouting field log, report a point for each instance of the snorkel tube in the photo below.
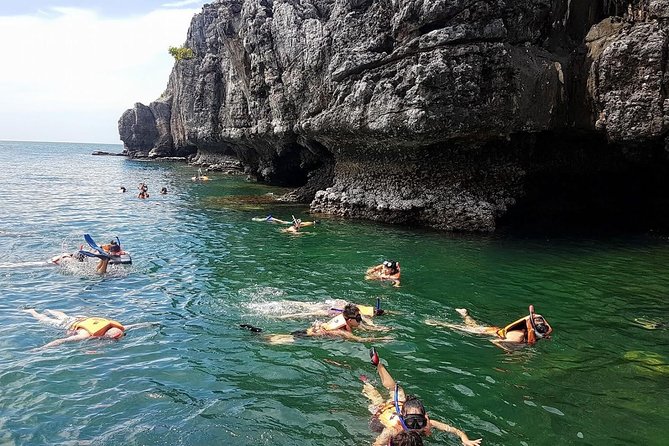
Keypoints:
(377, 308)
(543, 333)
(397, 406)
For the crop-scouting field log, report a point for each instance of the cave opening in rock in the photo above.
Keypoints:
(579, 182)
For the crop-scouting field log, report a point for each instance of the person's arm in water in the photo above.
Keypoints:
(350, 336)
(79, 336)
(455, 431)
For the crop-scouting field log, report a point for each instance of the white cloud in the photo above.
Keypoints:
(181, 3)
(68, 60)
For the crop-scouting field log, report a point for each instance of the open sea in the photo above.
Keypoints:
(201, 267)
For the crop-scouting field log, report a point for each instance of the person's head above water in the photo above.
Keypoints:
(352, 313)
(114, 333)
(413, 413)
(391, 265)
(539, 324)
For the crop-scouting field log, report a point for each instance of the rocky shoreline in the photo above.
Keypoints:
(461, 116)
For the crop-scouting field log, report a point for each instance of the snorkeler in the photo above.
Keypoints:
(340, 326)
(524, 331)
(401, 412)
(81, 328)
(330, 307)
(388, 270)
(295, 225)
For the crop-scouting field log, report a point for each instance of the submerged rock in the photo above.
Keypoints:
(444, 113)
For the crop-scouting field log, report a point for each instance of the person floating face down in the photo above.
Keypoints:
(388, 270)
(401, 413)
(80, 328)
(525, 331)
(340, 326)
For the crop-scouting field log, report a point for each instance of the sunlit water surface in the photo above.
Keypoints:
(201, 267)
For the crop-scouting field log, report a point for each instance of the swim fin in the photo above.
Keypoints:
(373, 356)
(94, 254)
(250, 328)
(94, 245)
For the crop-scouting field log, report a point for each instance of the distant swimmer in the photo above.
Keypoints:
(525, 331)
(199, 176)
(163, 191)
(388, 270)
(81, 328)
(401, 413)
(295, 225)
(340, 326)
(122, 189)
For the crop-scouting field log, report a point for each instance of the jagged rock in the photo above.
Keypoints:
(412, 111)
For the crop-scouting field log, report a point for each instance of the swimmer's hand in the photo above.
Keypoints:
(469, 442)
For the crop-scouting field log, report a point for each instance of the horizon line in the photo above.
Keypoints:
(63, 142)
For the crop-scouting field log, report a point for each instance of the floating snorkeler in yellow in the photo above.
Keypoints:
(401, 412)
(81, 327)
(340, 326)
(525, 331)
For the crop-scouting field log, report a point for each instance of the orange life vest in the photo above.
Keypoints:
(96, 326)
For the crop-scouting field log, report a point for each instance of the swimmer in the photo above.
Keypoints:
(525, 331)
(330, 308)
(401, 412)
(388, 270)
(295, 225)
(122, 189)
(163, 191)
(81, 328)
(340, 326)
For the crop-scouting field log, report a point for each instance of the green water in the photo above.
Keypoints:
(202, 267)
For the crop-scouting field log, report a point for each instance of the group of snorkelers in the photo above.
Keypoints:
(143, 189)
(399, 419)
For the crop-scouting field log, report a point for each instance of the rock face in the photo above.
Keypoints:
(453, 114)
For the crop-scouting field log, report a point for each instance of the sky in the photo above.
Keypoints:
(72, 67)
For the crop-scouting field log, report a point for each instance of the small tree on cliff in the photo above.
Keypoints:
(182, 52)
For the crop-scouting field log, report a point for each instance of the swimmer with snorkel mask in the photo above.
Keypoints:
(401, 413)
(525, 331)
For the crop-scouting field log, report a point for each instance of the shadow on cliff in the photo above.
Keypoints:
(582, 184)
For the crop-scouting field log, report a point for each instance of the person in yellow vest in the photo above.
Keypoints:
(81, 327)
(401, 413)
(340, 326)
(525, 331)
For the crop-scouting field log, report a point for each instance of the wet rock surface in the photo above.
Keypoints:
(443, 113)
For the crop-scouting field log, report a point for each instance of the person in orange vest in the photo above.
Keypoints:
(401, 412)
(81, 328)
(525, 331)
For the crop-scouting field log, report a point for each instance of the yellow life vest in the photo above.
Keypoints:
(366, 311)
(387, 415)
(96, 326)
(520, 324)
(336, 323)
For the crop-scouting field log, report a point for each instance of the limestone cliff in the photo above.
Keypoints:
(454, 114)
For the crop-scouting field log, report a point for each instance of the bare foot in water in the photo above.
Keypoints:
(461, 311)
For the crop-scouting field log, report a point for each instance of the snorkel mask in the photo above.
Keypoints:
(414, 421)
(540, 326)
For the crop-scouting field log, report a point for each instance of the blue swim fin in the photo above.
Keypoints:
(94, 245)
(93, 254)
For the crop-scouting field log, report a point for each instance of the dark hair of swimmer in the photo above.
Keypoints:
(351, 312)
(406, 439)
(390, 264)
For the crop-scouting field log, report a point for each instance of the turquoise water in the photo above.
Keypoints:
(201, 267)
